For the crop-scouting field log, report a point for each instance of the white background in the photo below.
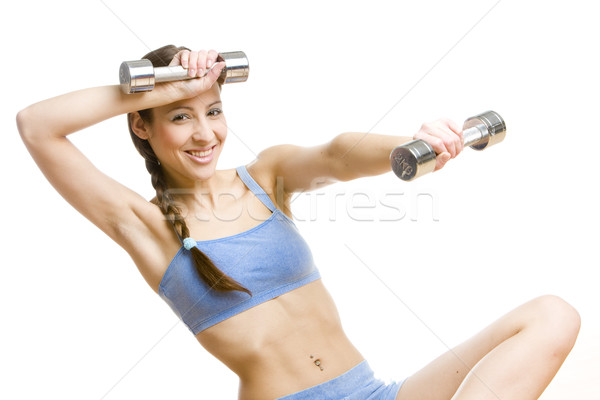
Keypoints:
(456, 249)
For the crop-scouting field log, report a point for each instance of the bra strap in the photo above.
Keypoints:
(255, 188)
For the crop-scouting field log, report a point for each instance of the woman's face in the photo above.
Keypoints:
(188, 136)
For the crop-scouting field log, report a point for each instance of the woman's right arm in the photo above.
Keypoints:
(118, 211)
(44, 127)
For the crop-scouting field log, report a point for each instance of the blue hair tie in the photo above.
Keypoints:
(189, 243)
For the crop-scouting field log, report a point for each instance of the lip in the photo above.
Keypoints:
(201, 159)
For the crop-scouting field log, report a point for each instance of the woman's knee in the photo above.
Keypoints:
(557, 321)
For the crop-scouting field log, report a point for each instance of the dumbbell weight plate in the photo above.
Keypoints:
(412, 160)
(491, 124)
(237, 67)
(141, 81)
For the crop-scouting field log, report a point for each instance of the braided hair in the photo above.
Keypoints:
(208, 271)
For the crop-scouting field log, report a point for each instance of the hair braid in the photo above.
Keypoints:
(208, 271)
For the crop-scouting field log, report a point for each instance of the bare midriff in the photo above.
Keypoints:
(284, 345)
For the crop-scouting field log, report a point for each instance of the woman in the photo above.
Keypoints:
(219, 246)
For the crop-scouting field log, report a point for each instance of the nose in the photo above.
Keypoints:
(203, 132)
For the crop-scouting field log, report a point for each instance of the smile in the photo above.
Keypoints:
(201, 156)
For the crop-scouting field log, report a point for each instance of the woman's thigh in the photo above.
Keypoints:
(441, 378)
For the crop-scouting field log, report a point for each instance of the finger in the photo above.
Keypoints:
(202, 56)
(448, 139)
(207, 81)
(215, 72)
(211, 58)
(441, 160)
(451, 124)
(181, 58)
(436, 143)
(457, 130)
(453, 138)
(193, 64)
(175, 60)
(431, 134)
(184, 57)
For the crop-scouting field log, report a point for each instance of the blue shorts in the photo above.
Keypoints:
(358, 383)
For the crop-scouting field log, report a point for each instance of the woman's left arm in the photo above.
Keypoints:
(349, 156)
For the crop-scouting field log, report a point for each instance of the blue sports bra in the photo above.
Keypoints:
(270, 259)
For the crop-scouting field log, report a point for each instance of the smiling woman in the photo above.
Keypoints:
(167, 129)
(249, 289)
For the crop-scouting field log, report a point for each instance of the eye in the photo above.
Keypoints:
(180, 117)
(215, 112)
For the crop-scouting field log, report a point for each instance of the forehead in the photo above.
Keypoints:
(200, 102)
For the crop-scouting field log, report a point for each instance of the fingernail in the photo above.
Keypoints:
(200, 72)
(209, 64)
(192, 72)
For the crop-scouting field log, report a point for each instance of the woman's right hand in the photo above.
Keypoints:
(201, 65)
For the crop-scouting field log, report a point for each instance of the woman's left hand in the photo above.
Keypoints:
(201, 64)
(445, 136)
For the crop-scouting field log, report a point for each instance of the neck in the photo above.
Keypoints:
(197, 194)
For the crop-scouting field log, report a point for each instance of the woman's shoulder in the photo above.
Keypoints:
(265, 168)
(263, 173)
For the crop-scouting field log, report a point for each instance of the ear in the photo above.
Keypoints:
(138, 126)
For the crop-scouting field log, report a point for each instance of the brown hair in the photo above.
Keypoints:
(213, 276)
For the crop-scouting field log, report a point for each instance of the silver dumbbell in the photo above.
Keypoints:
(416, 158)
(140, 76)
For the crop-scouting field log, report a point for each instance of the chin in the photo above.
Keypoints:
(205, 174)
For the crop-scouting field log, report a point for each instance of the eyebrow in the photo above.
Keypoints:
(190, 108)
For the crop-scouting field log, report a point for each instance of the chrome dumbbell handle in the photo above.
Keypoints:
(140, 76)
(473, 135)
(416, 158)
(170, 74)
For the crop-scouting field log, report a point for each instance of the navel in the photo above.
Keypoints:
(317, 362)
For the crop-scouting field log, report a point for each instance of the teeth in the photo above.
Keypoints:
(200, 153)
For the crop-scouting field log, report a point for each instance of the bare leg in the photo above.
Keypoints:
(516, 357)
